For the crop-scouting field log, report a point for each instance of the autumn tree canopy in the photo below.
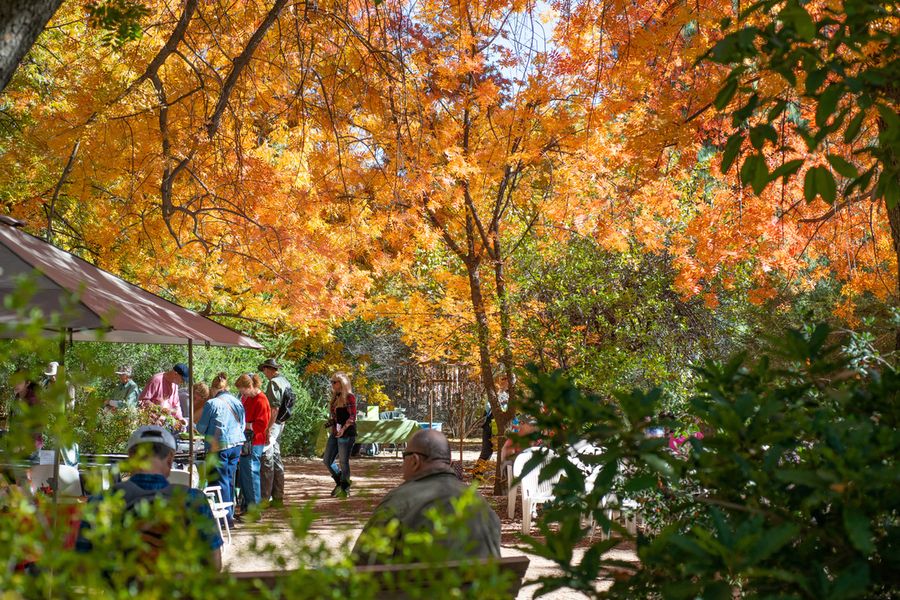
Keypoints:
(284, 162)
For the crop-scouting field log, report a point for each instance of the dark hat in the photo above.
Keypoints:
(182, 369)
(269, 363)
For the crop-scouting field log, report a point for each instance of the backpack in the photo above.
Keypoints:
(287, 405)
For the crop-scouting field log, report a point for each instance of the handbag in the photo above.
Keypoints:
(247, 447)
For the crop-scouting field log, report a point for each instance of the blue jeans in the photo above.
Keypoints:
(225, 472)
(340, 448)
(250, 476)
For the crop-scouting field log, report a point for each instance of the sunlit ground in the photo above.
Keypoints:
(342, 519)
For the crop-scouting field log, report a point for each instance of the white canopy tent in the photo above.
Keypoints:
(108, 308)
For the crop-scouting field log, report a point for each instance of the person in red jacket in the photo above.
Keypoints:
(258, 411)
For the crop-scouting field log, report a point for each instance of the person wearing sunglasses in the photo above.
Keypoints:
(429, 482)
(342, 433)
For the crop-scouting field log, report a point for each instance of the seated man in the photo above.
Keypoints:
(429, 483)
(189, 509)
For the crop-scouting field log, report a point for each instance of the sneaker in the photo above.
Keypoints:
(335, 491)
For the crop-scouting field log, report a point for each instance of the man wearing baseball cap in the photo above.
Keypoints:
(126, 391)
(162, 390)
(151, 451)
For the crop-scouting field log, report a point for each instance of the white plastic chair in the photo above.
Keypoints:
(512, 491)
(181, 477)
(535, 490)
(219, 509)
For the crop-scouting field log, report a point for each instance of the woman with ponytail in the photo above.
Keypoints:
(258, 411)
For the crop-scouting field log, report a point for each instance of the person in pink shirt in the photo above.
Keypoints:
(162, 390)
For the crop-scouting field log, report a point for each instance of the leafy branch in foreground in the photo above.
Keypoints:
(790, 492)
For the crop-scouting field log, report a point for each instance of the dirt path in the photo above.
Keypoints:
(339, 521)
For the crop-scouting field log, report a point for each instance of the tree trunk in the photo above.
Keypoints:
(503, 417)
(21, 21)
(893, 213)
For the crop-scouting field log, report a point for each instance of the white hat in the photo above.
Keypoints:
(124, 370)
(149, 434)
(52, 369)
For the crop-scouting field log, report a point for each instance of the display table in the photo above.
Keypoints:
(395, 431)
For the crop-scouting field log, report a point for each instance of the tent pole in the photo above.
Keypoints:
(60, 373)
(191, 410)
(462, 424)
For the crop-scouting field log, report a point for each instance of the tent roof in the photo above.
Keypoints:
(122, 311)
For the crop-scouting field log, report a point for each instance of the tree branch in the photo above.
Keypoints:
(240, 63)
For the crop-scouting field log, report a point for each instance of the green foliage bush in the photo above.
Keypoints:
(299, 437)
(792, 493)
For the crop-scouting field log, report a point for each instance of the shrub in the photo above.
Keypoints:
(299, 437)
(792, 493)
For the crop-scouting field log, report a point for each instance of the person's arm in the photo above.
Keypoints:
(175, 407)
(151, 392)
(265, 416)
(203, 424)
(351, 408)
(131, 395)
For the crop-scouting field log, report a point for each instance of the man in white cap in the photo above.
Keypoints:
(126, 391)
(50, 378)
(50, 374)
(151, 450)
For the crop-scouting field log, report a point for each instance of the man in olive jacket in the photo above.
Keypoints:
(430, 482)
(281, 402)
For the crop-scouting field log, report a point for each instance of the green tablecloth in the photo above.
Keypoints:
(396, 431)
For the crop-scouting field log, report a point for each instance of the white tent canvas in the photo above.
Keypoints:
(122, 311)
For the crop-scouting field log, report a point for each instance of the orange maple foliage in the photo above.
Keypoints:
(270, 161)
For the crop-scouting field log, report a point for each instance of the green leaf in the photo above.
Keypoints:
(786, 170)
(828, 103)
(641, 483)
(858, 530)
(744, 112)
(726, 93)
(851, 582)
(760, 133)
(796, 16)
(659, 465)
(853, 128)
(776, 110)
(825, 185)
(889, 116)
(842, 166)
(718, 590)
(732, 147)
(889, 189)
(771, 542)
(809, 186)
(814, 80)
(755, 172)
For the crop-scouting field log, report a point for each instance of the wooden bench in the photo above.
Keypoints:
(388, 576)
